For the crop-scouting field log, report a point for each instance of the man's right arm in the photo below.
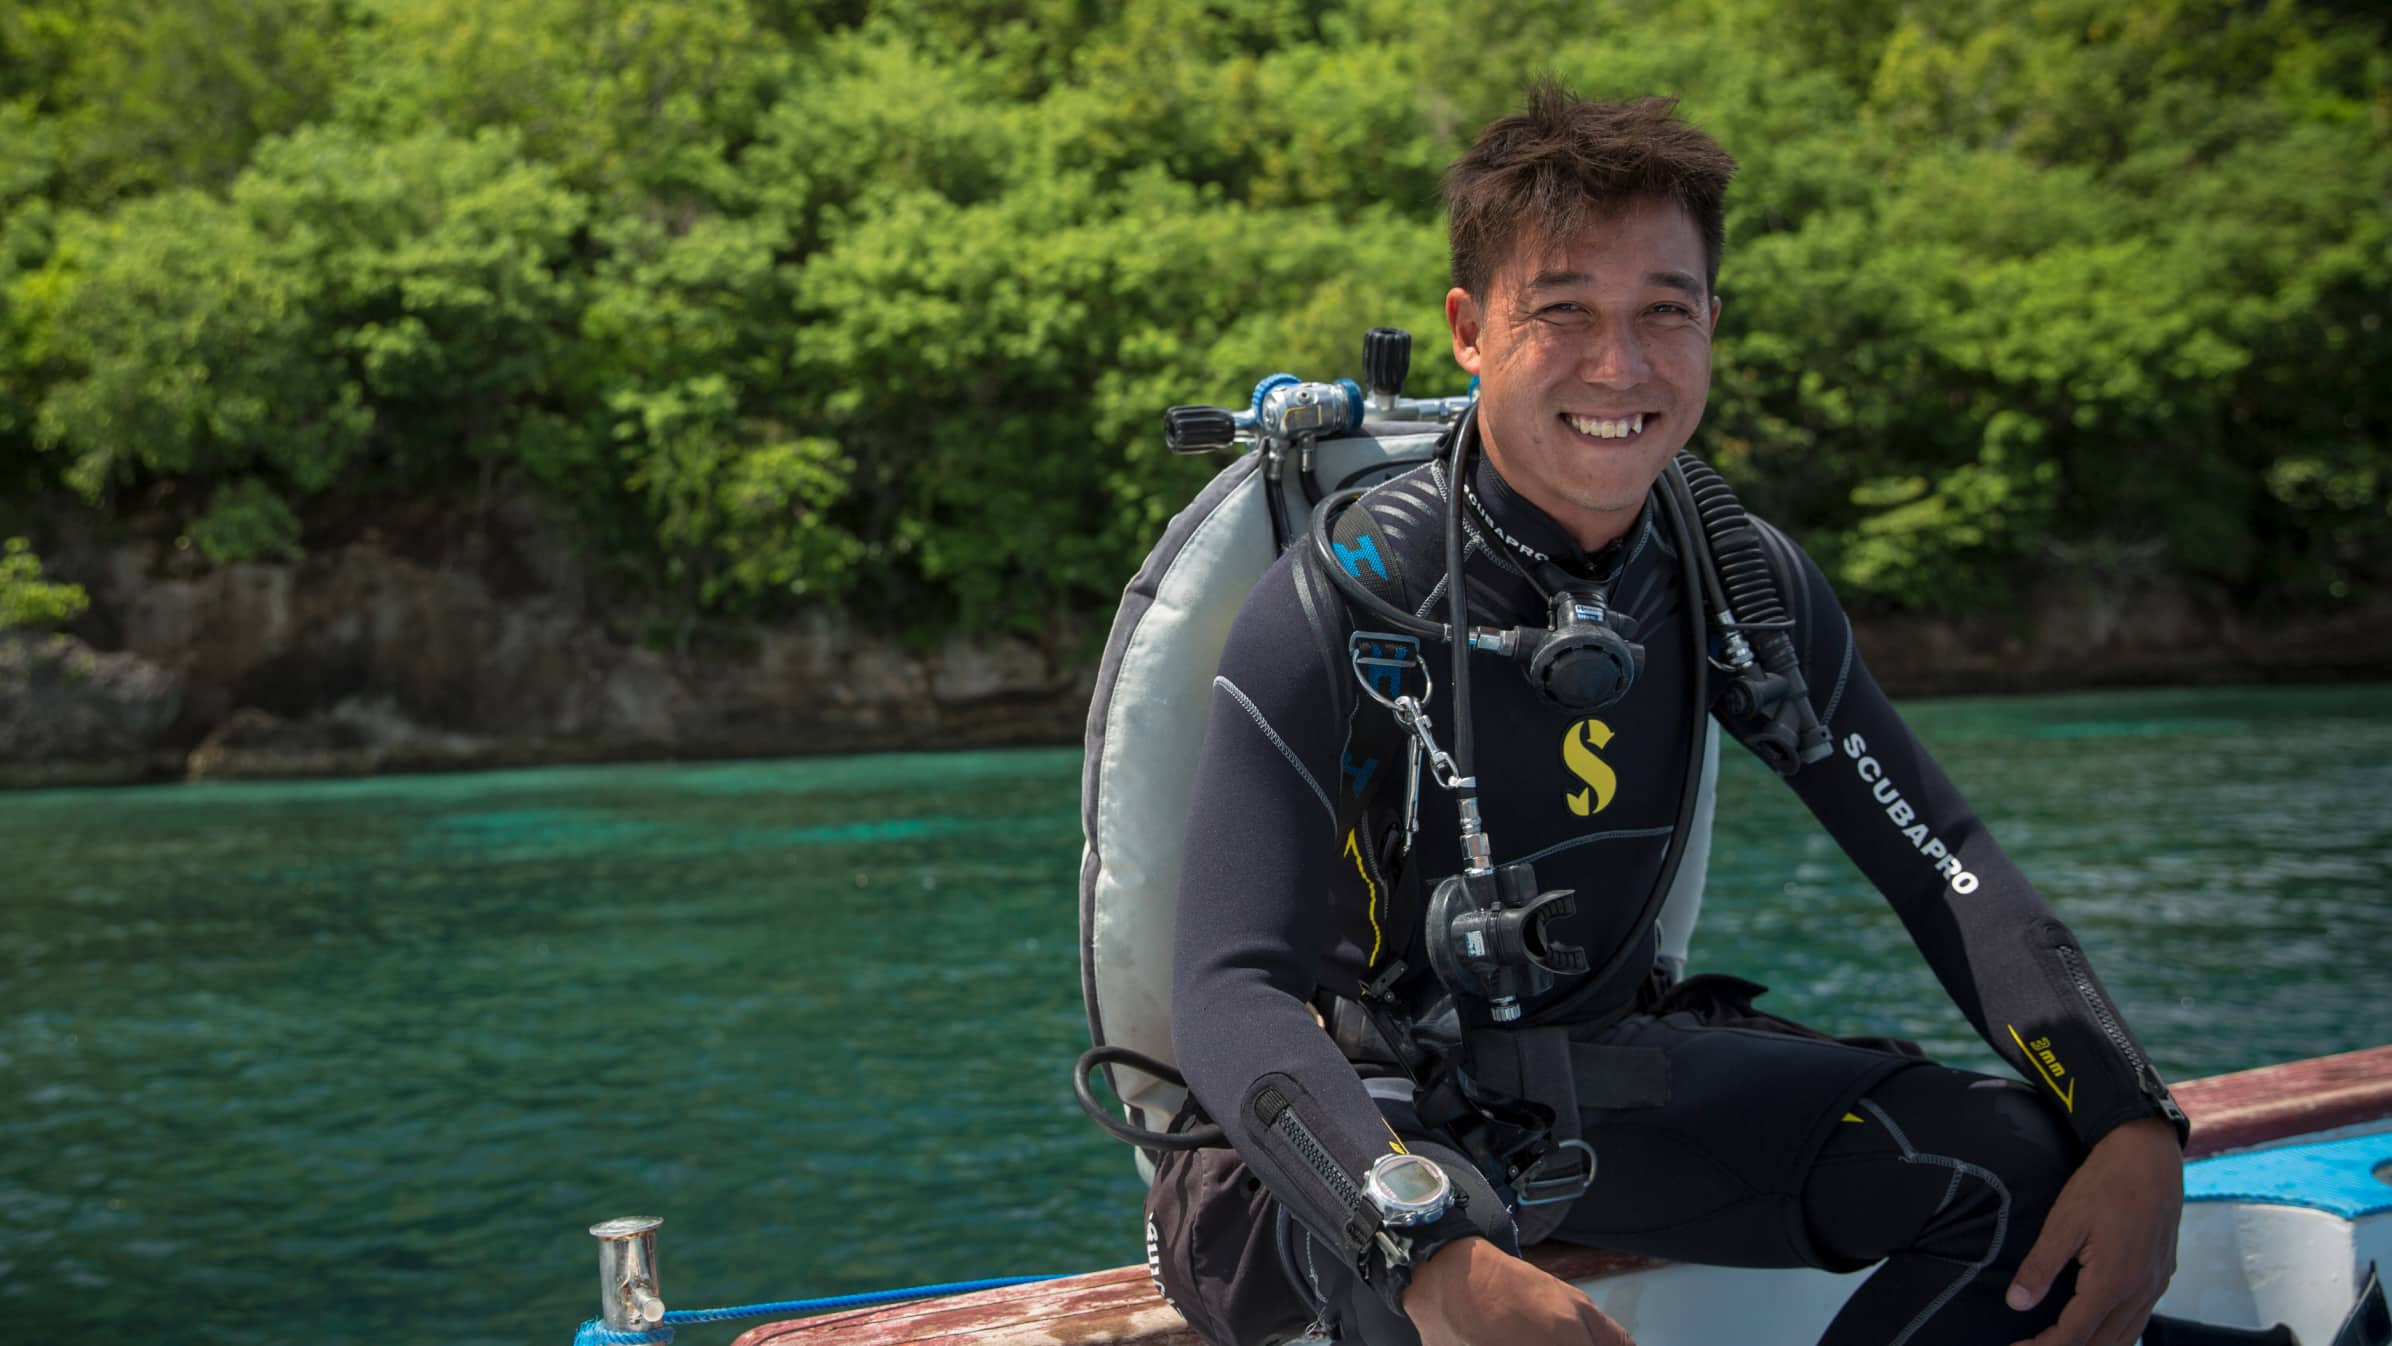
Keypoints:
(1257, 930)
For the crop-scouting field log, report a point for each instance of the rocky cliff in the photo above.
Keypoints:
(367, 658)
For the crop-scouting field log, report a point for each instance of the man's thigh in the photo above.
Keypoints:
(1714, 1172)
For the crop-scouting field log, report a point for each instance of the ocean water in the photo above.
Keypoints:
(360, 1061)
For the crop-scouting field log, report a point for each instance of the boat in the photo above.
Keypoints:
(2288, 1185)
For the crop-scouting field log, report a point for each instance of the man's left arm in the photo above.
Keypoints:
(2007, 960)
(2010, 964)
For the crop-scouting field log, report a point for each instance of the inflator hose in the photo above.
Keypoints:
(1458, 628)
(1201, 1136)
(1751, 595)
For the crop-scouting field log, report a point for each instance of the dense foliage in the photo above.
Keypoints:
(26, 599)
(878, 303)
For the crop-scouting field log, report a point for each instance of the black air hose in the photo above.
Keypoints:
(1743, 572)
(1751, 596)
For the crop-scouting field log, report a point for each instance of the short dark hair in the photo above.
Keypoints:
(1546, 172)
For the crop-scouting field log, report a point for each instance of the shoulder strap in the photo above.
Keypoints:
(1376, 782)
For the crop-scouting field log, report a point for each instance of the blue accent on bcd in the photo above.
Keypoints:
(1271, 382)
(2339, 1177)
(1387, 677)
(1381, 659)
(1364, 549)
(1358, 777)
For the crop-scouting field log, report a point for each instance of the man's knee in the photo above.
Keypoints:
(2032, 1150)
(1944, 1162)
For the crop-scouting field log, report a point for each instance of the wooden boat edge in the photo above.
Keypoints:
(1119, 1306)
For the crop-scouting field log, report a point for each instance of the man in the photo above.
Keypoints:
(1586, 246)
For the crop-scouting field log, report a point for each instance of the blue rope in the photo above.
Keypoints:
(595, 1332)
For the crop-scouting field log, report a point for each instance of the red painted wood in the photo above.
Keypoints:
(2250, 1107)
(1120, 1307)
(1116, 1306)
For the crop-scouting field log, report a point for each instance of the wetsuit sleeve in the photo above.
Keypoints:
(1256, 934)
(2007, 960)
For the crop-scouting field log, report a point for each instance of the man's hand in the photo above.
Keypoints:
(2117, 1218)
(1472, 1293)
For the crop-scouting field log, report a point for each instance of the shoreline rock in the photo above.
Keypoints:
(359, 661)
(76, 715)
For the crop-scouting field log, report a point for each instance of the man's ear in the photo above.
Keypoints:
(1714, 313)
(1468, 325)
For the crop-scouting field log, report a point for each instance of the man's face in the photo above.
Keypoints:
(1593, 355)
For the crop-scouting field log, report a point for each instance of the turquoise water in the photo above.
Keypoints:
(360, 1061)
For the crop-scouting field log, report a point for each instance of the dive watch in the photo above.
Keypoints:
(1407, 1190)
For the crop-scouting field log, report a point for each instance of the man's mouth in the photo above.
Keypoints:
(1603, 427)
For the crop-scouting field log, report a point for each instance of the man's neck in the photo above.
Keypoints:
(1531, 531)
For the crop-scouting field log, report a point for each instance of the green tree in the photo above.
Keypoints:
(646, 101)
(28, 600)
(389, 309)
(146, 96)
(877, 303)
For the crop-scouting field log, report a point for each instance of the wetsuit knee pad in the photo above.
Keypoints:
(1932, 1160)
(2031, 1145)
(1948, 1176)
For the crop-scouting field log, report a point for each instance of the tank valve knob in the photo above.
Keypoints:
(630, 1299)
(1199, 429)
(1386, 362)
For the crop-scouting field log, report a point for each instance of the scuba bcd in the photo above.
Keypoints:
(1147, 714)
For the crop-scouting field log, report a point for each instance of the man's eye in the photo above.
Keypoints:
(1563, 310)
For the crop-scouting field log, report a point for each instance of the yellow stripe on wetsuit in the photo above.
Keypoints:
(1377, 938)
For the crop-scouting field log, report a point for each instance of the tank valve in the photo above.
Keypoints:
(1386, 362)
(629, 1296)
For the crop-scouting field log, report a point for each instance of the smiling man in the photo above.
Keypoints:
(1593, 354)
(1397, 1138)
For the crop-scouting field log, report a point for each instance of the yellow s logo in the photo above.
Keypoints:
(1578, 747)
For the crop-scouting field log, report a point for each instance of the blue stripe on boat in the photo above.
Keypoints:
(2350, 1177)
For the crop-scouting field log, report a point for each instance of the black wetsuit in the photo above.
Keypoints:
(1741, 1156)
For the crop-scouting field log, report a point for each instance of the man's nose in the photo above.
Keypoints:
(1614, 358)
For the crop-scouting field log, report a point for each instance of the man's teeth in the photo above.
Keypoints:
(1603, 429)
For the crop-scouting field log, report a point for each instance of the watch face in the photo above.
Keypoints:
(1408, 1189)
(1414, 1184)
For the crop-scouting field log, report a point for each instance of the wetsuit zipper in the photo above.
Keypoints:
(2146, 1077)
(2100, 1005)
(1272, 1110)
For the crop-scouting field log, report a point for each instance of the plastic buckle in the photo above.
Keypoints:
(1381, 660)
(1536, 1188)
